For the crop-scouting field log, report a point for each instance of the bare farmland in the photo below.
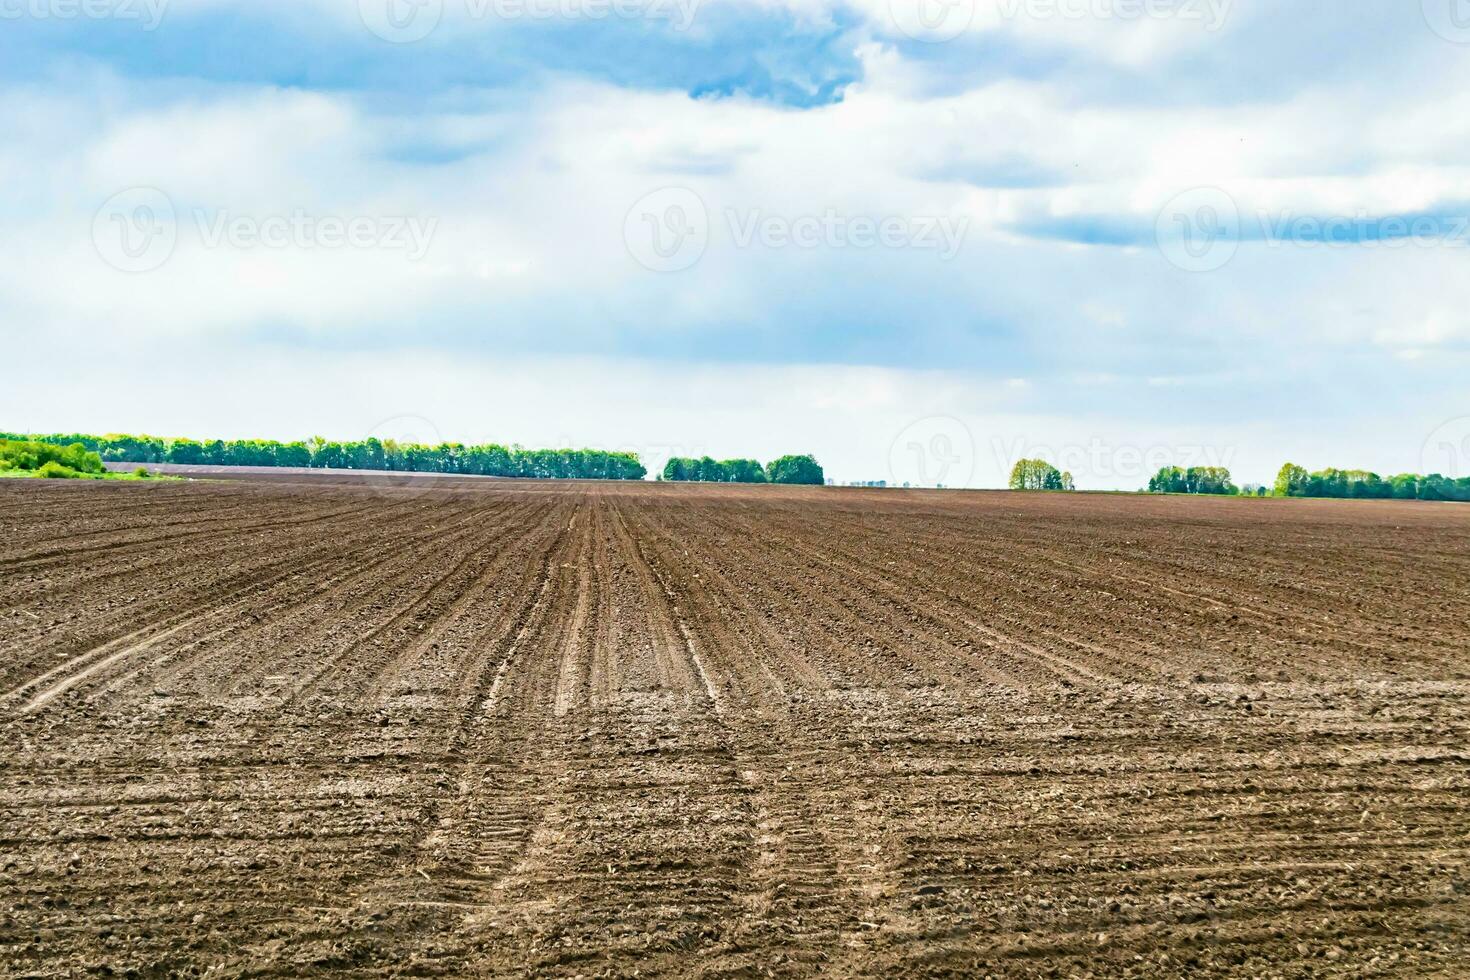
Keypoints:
(293, 725)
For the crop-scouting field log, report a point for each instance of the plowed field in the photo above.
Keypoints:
(291, 725)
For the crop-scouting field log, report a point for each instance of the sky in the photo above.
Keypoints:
(919, 239)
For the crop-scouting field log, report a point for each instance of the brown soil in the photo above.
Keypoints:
(292, 725)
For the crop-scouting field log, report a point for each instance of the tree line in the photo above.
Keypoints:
(1295, 481)
(1196, 479)
(366, 454)
(76, 451)
(799, 470)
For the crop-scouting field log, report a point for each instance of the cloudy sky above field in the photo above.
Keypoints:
(917, 239)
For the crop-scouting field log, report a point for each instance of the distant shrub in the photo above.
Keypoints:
(26, 455)
(19, 456)
(142, 473)
(55, 471)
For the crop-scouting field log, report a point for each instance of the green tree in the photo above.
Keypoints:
(1196, 479)
(743, 471)
(185, 451)
(1292, 481)
(1035, 474)
(294, 454)
(1405, 486)
(800, 470)
(1210, 480)
(1170, 479)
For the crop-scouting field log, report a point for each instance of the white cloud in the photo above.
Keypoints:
(530, 195)
(543, 212)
